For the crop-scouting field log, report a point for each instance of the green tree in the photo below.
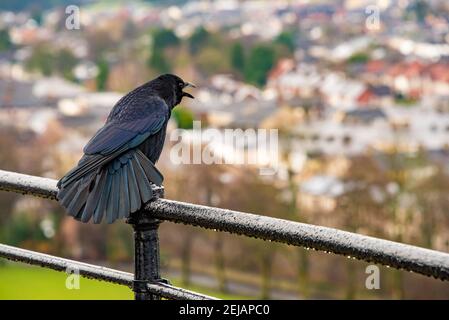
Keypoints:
(103, 74)
(64, 62)
(163, 38)
(183, 117)
(286, 39)
(41, 60)
(198, 39)
(210, 61)
(360, 57)
(261, 60)
(48, 62)
(237, 57)
(36, 15)
(5, 41)
(421, 8)
(158, 61)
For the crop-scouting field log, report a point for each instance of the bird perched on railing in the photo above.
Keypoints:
(114, 176)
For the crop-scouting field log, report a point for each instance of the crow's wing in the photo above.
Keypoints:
(120, 135)
(130, 130)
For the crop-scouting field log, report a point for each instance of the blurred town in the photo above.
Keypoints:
(358, 89)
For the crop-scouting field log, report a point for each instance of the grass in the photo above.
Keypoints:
(19, 281)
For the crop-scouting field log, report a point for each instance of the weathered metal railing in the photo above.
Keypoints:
(147, 283)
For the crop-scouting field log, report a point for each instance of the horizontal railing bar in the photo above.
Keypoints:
(94, 272)
(175, 293)
(393, 254)
(397, 255)
(26, 184)
(61, 264)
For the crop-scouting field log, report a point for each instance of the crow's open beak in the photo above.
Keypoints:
(186, 94)
(187, 84)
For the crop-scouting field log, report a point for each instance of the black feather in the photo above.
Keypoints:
(102, 203)
(113, 201)
(151, 171)
(70, 192)
(124, 195)
(134, 194)
(142, 181)
(79, 200)
(94, 197)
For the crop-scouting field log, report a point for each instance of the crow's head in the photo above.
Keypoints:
(170, 88)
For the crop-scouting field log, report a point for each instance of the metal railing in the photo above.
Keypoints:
(147, 283)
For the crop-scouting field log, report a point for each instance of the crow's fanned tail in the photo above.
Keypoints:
(113, 190)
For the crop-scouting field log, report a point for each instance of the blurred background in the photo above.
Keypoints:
(358, 90)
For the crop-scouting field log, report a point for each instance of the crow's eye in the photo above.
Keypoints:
(181, 84)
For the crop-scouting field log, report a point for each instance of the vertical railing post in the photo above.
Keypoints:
(146, 254)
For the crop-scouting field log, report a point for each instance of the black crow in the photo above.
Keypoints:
(114, 176)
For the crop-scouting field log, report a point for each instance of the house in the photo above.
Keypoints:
(436, 79)
(406, 78)
(348, 48)
(245, 114)
(373, 71)
(282, 67)
(382, 95)
(423, 50)
(227, 102)
(342, 93)
(301, 81)
(439, 103)
(363, 116)
(96, 103)
(366, 97)
(420, 128)
(19, 94)
(376, 95)
(320, 194)
(53, 88)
